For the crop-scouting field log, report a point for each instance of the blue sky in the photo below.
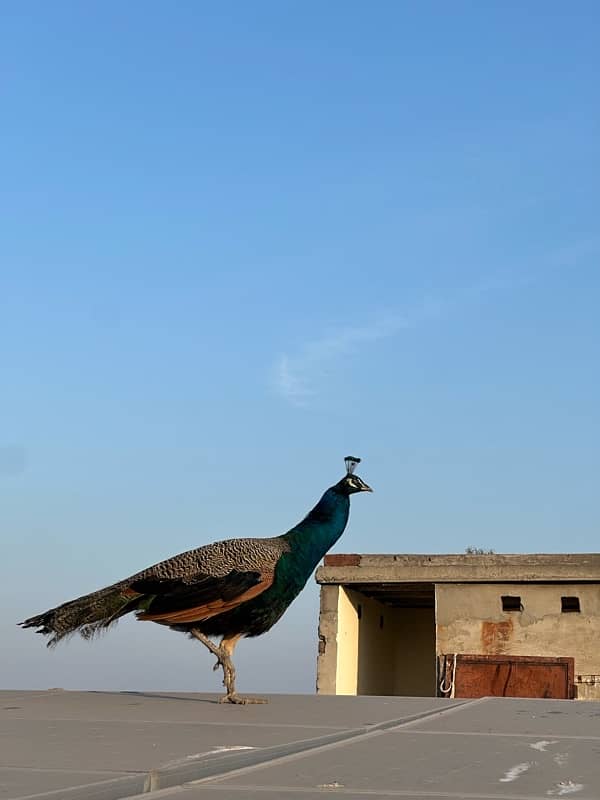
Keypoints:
(241, 240)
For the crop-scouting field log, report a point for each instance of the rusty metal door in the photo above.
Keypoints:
(510, 676)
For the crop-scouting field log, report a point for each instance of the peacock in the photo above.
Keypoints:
(228, 589)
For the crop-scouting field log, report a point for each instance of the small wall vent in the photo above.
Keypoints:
(511, 602)
(569, 605)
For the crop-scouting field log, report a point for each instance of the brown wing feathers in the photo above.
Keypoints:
(176, 601)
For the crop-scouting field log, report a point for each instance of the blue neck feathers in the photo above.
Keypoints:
(321, 528)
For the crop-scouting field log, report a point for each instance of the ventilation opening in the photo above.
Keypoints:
(511, 603)
(569, 604)
(359, 611)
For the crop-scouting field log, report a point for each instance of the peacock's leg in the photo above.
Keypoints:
(224, 652)
(223, 658)
(214, 649)
(227, 647)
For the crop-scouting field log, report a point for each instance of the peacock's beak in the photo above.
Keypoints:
(365, 488)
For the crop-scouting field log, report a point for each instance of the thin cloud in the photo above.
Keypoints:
(295, 376)
(290, 382)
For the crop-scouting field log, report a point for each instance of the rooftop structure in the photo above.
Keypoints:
(460, 625)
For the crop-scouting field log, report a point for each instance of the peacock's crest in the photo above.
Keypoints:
(351, 462)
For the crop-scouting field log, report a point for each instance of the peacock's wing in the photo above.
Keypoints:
(203, 583)
(175, 601)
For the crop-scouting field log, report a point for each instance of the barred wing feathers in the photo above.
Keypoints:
(176, 602)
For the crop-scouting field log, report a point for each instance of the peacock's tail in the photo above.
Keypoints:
(87, 615)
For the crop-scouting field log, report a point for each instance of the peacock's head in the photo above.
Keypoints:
(351, 483)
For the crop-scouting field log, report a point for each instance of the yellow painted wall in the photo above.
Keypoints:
(347, 643)
(388, 651)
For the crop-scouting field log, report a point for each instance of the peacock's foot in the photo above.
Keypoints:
(240, 700)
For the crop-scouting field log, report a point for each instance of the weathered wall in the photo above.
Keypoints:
(398, 657)
(470, 619)
(348, 569)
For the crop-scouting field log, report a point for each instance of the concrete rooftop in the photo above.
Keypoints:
(107, 746)
(349, 568)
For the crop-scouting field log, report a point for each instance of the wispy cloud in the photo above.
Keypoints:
(296, 376)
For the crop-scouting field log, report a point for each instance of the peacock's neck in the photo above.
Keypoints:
(320, 529)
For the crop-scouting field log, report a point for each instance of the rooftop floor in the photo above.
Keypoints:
(107, 746)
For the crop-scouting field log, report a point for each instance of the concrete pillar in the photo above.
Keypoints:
(337, 662)
(327, 657)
